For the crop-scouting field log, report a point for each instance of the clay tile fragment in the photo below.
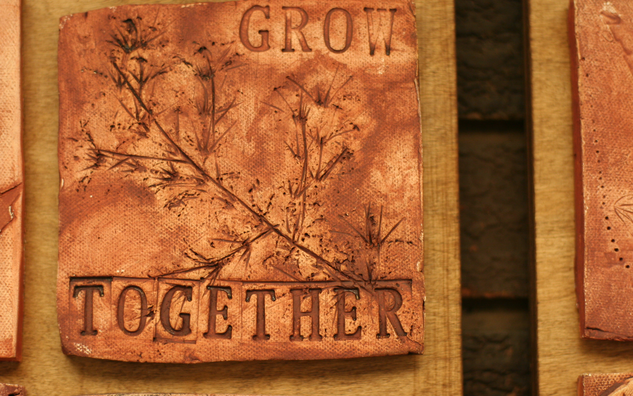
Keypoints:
(11, 187)
(240, 182)
(12, 390)
(601, 37)
(605, 384)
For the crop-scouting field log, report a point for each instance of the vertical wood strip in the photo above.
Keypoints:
(436, 40)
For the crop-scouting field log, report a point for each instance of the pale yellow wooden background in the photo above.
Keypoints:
(561, 355)
(44, 370)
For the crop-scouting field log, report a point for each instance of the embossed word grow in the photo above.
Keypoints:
(240, 181)
(292, 28)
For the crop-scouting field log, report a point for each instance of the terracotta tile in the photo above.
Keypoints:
(240, 182)
(11, 179)
(11, 390)
(601, 34)
(605, 384)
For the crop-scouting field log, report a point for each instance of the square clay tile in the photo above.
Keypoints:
(240, 182)
(601, 36)
(11, 187)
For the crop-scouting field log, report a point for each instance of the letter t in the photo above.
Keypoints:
(88, 306)
(260, 334)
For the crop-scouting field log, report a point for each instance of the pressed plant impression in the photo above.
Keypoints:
(240, 181)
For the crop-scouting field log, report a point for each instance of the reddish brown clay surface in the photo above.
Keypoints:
(240, 181)
(605, 385)
(158, 394)
(11, 178)
(601, 35)
(11, 390)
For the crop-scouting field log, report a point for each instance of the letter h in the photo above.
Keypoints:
(297, 314)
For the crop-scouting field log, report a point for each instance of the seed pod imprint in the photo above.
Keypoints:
(601, 37)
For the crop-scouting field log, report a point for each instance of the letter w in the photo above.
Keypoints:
(373, 33)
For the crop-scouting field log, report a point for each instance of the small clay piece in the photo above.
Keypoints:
(240, 181)
(605, 385)
(11, 390)
(11, 179)
(601, 36)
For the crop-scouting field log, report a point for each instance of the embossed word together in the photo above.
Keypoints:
(177, 309)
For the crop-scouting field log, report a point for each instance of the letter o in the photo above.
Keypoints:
(121, 311)
(348, 33)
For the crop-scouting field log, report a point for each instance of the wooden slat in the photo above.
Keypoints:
(46, 371)
(560, 355)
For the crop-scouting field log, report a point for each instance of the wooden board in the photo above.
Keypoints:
(560, 354)
(46, 371)
(11, 183)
